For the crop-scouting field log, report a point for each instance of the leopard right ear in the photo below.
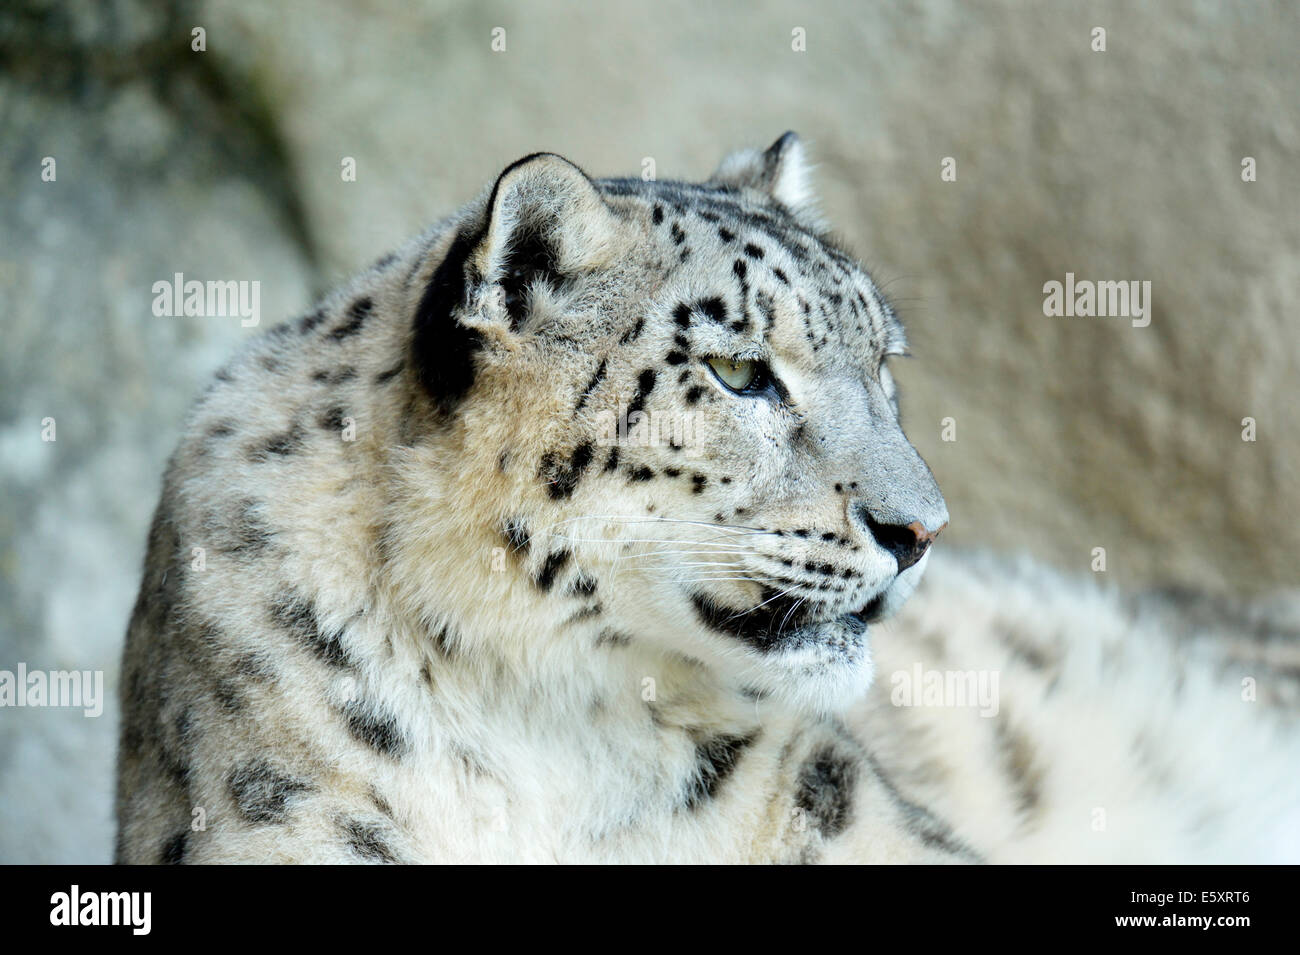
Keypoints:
(543, 222)
(782, 171)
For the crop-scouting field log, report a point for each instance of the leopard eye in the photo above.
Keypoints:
(739, 376)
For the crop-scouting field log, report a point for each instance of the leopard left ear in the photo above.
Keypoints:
(782, 171)
(543, 223)
(543, 213)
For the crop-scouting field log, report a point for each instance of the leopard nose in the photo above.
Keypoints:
(906, 543)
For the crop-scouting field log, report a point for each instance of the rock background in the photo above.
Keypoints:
(1071, 433)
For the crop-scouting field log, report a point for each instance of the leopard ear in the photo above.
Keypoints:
(782, 171)
(544, 221)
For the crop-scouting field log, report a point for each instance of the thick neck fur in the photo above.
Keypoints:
(498, 646)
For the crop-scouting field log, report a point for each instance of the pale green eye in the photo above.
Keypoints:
(736, 375)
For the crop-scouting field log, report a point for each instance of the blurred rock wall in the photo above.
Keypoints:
(1071, 433)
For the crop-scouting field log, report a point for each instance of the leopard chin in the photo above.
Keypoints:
(824, 667)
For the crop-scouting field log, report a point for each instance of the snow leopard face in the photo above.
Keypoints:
(686, 389)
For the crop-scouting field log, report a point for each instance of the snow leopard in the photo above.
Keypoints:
(580, 528)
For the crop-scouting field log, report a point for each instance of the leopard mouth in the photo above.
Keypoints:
(873, 612)
(782, 622)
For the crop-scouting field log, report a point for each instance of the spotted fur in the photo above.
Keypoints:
(481, 561)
